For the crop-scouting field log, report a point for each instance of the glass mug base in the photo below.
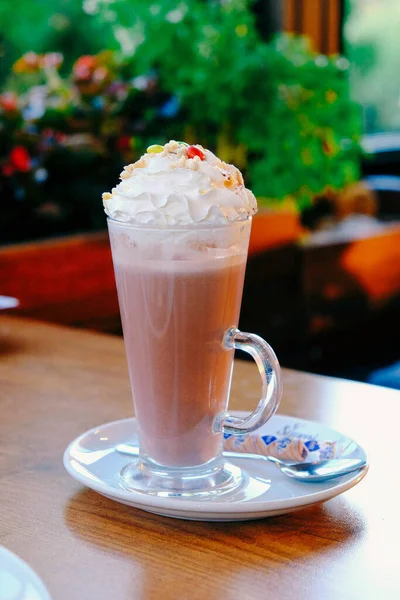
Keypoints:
(212, 479)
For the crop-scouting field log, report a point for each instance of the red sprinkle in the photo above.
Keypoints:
(193, 151)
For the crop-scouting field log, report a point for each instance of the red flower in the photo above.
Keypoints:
(8, 170)
(123, 142)
(20, 159)
(84, 67)
(9, 102)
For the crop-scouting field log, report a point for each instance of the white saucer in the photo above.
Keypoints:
(18, 580)
(8, 302)
(93, 461)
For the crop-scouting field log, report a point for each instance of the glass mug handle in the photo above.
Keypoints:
(270, 372)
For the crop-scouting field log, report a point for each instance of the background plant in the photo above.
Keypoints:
(190, 70)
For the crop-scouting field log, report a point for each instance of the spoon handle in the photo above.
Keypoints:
(302, 471)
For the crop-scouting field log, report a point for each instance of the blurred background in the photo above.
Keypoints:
(302, 95)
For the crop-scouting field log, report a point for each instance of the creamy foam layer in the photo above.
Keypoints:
(195, 266)
(177, 184)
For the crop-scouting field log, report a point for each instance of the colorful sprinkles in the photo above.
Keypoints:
(155, 149)
(193, 151)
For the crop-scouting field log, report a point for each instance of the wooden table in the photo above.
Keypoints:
(57, 382)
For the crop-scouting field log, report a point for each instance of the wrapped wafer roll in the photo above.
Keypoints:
(291, 448)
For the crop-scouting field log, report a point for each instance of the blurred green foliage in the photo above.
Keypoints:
(311, 126)
(373, 47)
(287, 110)
(47, 25)
(280, 112)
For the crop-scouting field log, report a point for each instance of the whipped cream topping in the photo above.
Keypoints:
(177, 184)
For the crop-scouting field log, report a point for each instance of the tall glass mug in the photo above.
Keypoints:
(180, 291)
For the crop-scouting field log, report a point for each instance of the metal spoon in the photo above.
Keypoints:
(307, 472)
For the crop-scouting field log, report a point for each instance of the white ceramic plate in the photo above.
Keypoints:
(8, 302)
(93, 460)
(18, 581)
